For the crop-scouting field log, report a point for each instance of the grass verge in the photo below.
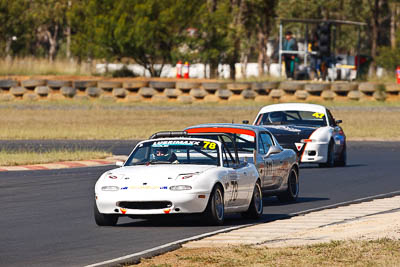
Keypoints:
(100, 120)
(13, 158)
(32, 66)
(382, 252)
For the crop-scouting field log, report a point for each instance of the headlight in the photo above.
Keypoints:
(180, 187)
(110, 188)
(186, 176)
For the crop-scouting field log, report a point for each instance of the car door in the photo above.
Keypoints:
(275, 160)
(238, 176)
(264, 164)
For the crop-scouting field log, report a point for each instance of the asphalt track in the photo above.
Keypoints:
(47, 219)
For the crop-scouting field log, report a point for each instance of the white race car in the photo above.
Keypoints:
(308, 129)
(179, 173)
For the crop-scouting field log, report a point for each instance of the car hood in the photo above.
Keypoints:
(288, 135)
(160, 174)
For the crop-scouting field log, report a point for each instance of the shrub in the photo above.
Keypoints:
(124, 72)
(388, 58)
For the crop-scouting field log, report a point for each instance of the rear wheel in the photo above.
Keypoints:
(292, 192)
(256, 205)
(215, 211)
(104, 219)
(330, 161)
(342, 161)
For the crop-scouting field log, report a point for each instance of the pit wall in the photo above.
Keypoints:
(190, 91)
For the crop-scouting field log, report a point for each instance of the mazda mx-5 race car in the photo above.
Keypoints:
(278, 167)
(308, 129)
(178, 173)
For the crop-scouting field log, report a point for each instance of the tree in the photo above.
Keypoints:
(15, 26)
(50, 19)
(149, 31)
(93, 24)
(378, 16)
(152, 31)
(236, 34)
(211, 41)
(262, 22)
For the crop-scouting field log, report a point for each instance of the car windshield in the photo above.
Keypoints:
(304, 118)
(173, 151)
(244, 142)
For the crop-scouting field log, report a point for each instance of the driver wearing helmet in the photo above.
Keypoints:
(276, 117)
(164, 154)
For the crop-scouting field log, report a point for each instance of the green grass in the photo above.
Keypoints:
(14, 158)
(383, 252)
(101, 120)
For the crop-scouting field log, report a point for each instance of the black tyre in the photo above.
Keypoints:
(330, 162)
(342, 161)
(256, 205)
(292, 192)
(7, 84)
(104, 219)
(215, 213)
(161, 85)
(57, 84)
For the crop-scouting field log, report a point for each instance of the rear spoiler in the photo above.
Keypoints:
(166, 134)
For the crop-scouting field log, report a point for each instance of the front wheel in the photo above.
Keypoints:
(342, 161)
(256, 205)
(330, 161)
(292, 192)
(215, 211)
(104, 219)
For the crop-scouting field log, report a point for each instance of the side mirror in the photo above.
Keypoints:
(119, 163)
(245, 122)
(338, 121)
(274, 150)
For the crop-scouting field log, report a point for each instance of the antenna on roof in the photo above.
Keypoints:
(232, 121)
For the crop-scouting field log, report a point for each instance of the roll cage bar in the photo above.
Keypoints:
(168, 134)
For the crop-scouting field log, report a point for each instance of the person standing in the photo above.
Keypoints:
(290, 44)
(315, 62)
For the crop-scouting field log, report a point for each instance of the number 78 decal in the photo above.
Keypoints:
(209, 145)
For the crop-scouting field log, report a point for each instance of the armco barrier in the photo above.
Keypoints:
(191, 91)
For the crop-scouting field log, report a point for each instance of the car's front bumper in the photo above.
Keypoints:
(315, 152)
(179, 202)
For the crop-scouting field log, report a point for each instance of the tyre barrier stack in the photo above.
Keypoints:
(191, 91)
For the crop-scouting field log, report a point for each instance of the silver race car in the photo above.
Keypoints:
(278, 167)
